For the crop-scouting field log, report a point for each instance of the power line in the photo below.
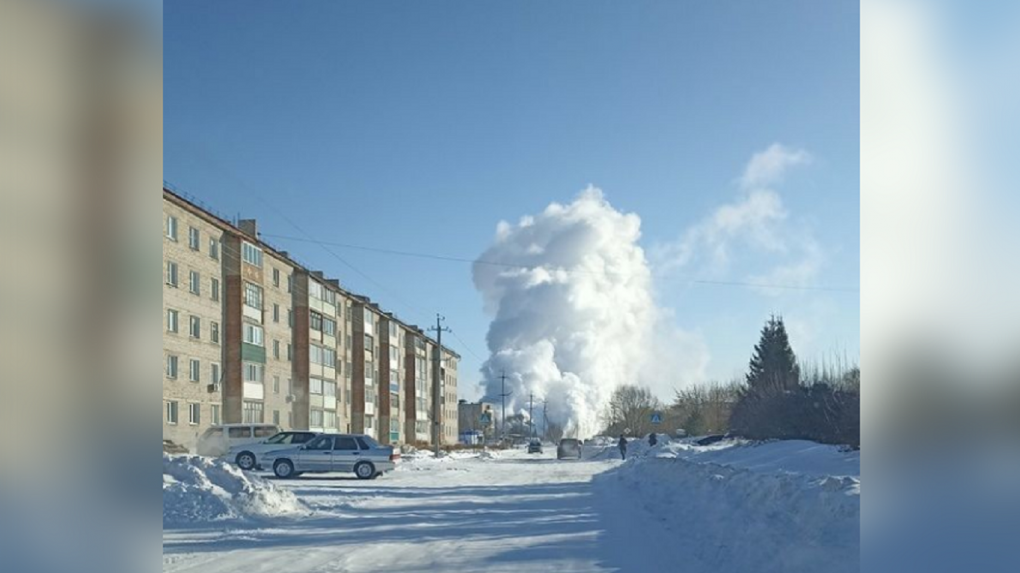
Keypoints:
(488, 262)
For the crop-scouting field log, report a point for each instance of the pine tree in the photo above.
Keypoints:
(773, 367)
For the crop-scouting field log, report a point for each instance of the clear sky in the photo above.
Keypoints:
(418, 126)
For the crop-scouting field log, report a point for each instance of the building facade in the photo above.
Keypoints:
(193, 333)
(477, 417)
(250, 335)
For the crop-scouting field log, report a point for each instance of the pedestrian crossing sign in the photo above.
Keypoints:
(656, 417)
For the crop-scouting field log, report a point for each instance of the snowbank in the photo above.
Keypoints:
(201, 490)
(734, 506)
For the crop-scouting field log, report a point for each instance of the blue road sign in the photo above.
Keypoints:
(656, 417)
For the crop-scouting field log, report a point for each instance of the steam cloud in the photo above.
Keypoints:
(570, 291)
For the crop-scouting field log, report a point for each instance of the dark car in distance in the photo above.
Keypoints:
(569, 448)
(534, 447)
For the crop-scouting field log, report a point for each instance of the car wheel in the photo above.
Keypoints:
(245, 460)
(364, 470)
(283, 469)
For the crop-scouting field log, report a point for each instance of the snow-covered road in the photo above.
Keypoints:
(778, 507)
(517, 513)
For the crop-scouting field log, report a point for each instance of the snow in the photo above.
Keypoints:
(783, 506)
(199, 490)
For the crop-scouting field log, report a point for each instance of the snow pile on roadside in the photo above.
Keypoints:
(780, 506)
(198, 490)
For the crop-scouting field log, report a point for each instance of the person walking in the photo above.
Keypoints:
(623, 447)
(652, 440)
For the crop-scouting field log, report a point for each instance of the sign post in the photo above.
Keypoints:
(656, 417)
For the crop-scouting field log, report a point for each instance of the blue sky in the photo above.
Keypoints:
(419, 126)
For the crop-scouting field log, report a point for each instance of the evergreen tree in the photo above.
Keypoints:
(773, 366)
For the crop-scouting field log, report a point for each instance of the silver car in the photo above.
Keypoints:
(333, 453)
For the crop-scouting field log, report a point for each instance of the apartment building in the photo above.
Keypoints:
(322, 383)
(417, 396)
(253, 336)
(449, 423)
(366, 318)
(477, 417)
(193, 333)
(258, 318)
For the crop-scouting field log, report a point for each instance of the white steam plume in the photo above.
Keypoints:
(571, 295)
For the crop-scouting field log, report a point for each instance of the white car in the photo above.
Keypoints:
(333, 453)
(246, 455)
(217, 440)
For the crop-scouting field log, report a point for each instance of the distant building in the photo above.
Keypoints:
(477, 417)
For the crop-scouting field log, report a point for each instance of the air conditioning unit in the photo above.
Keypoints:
(214, 387)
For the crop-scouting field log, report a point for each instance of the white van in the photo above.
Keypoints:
(217, 440)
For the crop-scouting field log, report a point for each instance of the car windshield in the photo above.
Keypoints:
(569, 443)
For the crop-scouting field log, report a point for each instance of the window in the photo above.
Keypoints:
(369, 343)
(393, 332)
(394, 357)
(214, 332)
(329, 389)
(290, 318)
(328, 326)
(214, 248)
(276, 417)
(320, 292)
(253, 372)
(321, 442)
(276, 349)
(171, 227)
(171, 273)
(214, 373)
(239, 432)
(368, 319)
(276, 384)
(276, 312)
(290, 283)
(253, 334)
(276, 277)
(195, 373)
(348, 342)
(214, 414)
(171, 412)
(265, 431)
(330, 421)
(171, 366)
(346, 443)
(368, 423)
(193, 239)
(315, 420)
(314, 386)
(171, 320)
(368, 370)
(288, 352)
(251, 254)
(214, 288)
(194, 413)
(322, 356)
(194, 282)
(253, 295)
(252, 413)
(195, 327)
(316, 321)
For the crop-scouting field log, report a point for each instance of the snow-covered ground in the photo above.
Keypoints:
(670, 508)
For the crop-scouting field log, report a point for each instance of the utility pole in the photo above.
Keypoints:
(437, 377)
(545, 418)
(503, 395)
(531, 415)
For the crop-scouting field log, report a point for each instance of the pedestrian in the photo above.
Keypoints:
(652, 440)
(623, 446)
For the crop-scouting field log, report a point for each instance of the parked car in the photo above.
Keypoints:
(217, 440)
(333, 453)
(711, 439)
(534, 447)
(246, 456)
(568, 448)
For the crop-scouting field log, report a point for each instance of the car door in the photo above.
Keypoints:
(345, 454)
(317, 455)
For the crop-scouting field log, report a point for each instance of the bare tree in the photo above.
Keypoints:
(630, 411)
